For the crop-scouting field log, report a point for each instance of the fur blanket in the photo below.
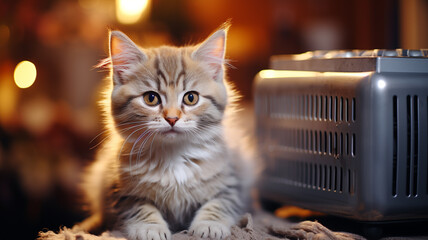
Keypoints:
(259, 226)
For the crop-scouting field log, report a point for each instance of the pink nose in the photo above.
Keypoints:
(171, 120)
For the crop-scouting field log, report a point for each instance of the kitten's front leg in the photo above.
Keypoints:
(214, 219)
(145, 222)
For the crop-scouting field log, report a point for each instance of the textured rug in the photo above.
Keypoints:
(251, 227)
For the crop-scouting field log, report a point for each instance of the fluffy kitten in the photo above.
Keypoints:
(166, 165)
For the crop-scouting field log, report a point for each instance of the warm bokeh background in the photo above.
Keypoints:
(48, 130)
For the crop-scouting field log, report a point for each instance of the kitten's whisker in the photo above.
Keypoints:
(150, 150)
(141, 148)
(102, 140)
(147, 132)
(213, 128)
(99, 134)
(216, 128)
(132, 153)
(105, 137)
(202, 138)
(125, 141)
(110, 134)
(139, 152)
(140, 137)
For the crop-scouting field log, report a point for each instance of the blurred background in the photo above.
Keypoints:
(49, 88)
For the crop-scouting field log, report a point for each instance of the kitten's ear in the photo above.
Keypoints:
(123, 54)
(212, 52)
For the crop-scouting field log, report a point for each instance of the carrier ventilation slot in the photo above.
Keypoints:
(320, 177)
(412, 145)
(337, 144)
(354, 110)
(313, 107)
(406, 132)
(395, 144)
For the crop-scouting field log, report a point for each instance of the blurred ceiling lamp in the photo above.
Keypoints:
(25, 74)
(131, 11)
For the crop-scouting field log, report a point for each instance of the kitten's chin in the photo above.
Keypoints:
(171, 134)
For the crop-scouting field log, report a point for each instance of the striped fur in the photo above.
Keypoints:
(152, 178)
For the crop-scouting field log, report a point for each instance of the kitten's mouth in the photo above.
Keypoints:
(171, 131)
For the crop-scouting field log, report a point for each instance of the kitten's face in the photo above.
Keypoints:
(168, 94)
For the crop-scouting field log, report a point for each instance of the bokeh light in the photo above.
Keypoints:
(130, 11)
(25, 74)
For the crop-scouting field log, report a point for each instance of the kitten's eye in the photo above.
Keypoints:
(191, 98)
(151, 98)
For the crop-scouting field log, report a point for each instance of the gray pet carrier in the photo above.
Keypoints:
(346, 132)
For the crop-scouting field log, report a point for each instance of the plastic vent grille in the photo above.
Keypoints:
(335, 144)
(320, 177)
(313, 107)
(406, 118)
(316, 142)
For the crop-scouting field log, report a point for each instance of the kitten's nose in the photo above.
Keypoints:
(171, 120)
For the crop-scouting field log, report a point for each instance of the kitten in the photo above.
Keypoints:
(166, 165)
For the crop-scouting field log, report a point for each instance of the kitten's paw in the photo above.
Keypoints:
(148, 232)
(209, 229)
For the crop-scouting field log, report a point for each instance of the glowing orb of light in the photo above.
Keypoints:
(25, 74)
(130, 11)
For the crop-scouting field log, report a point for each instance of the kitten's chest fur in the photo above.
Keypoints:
(177, 181)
